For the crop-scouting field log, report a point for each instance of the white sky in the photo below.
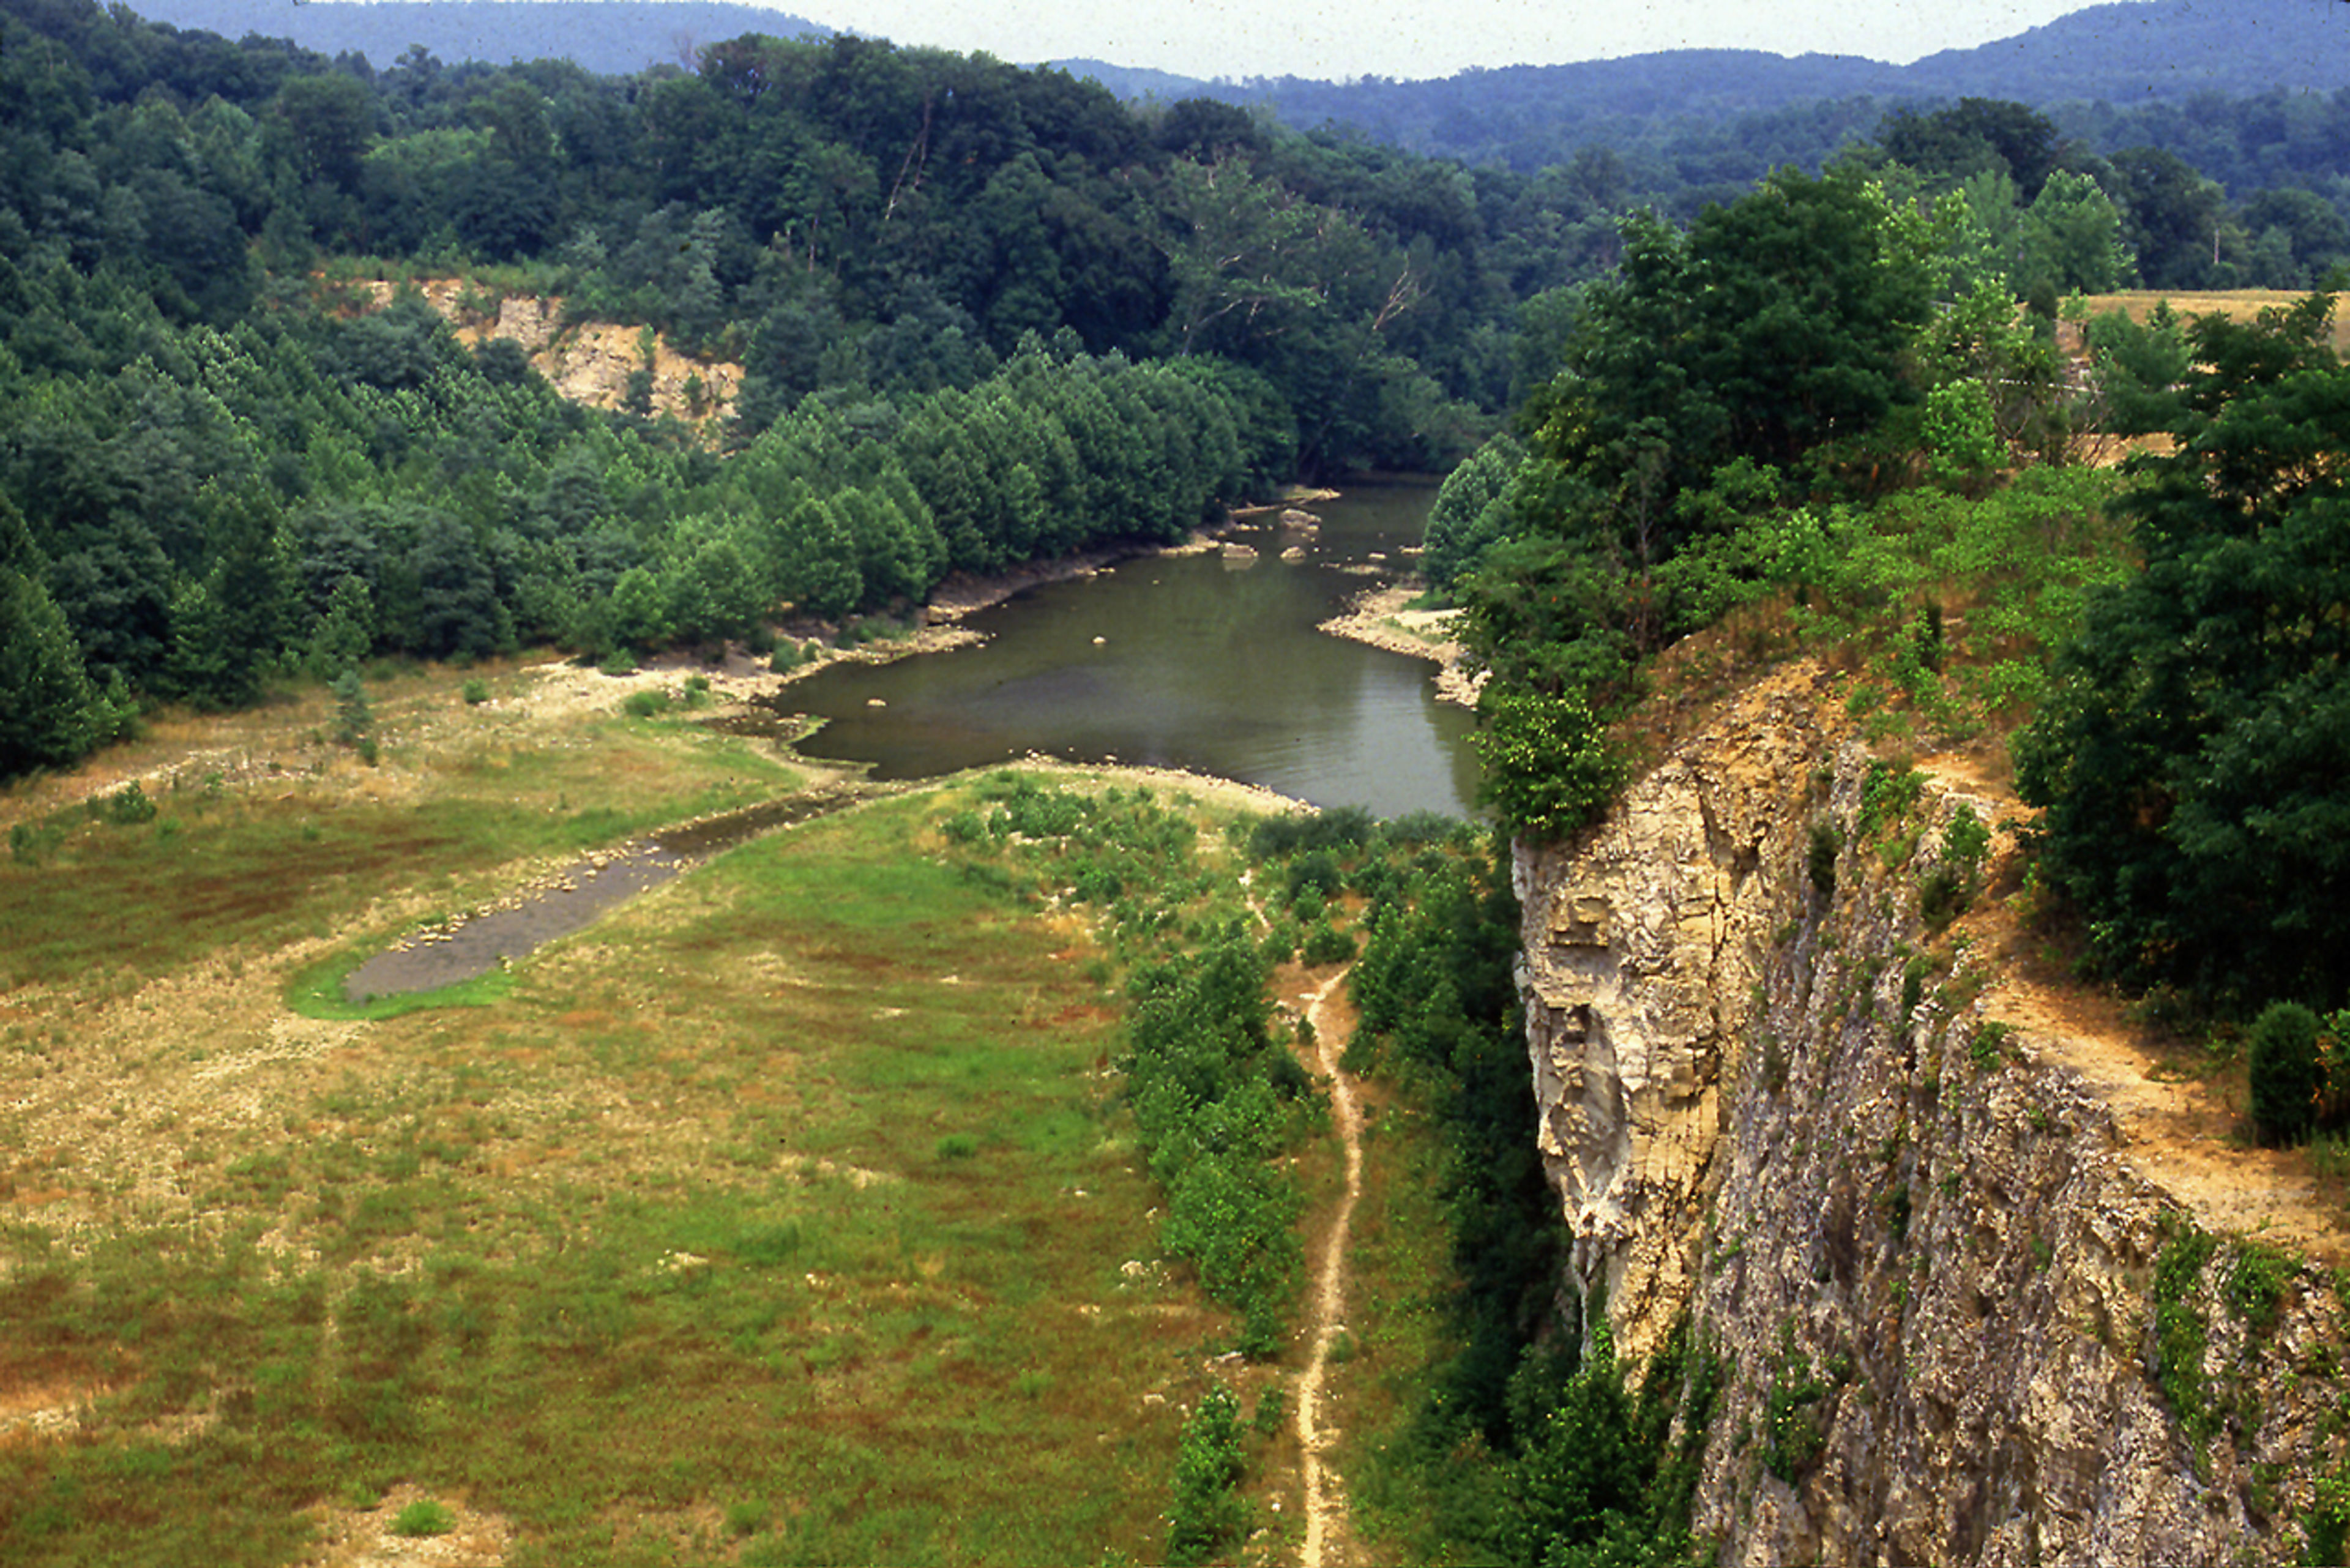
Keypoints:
(1338, 40)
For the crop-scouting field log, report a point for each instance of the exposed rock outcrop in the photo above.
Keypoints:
(1958, 1324)
(589, 362)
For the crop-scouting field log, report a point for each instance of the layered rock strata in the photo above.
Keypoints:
(1956, 1323)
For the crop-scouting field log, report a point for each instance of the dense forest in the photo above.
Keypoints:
(987, 313)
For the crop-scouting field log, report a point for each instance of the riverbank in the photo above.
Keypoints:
(1382, 618)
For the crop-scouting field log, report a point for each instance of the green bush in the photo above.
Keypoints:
(129, 805)
(2283, 1071)
(423, 1517)
(1821, 860)
(1887, 794)
(477, 693)
(646, 704)
(1792, 1435)
(1325, 944)
(2327, 1523)
(1208, 1509)
(1550, 766)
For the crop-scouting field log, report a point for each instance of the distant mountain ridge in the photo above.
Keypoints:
(2124, 53)
(609, 37)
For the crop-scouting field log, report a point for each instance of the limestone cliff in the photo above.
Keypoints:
(1959, 1323)
(587, 362)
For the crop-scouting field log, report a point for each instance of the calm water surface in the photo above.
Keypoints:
(1193, 662)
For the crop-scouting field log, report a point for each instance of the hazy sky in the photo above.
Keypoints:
(1336, 39)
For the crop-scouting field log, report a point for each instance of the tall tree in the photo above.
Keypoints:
(2190, 763)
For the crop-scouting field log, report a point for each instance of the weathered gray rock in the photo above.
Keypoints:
(1762, 1104)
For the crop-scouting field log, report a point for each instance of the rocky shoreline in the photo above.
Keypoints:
(1382, 618)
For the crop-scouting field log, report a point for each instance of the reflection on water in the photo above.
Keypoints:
(1197, 662)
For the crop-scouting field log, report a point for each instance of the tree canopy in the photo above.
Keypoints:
(2190, 760)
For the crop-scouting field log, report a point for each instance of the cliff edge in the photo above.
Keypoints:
(1959, 1318)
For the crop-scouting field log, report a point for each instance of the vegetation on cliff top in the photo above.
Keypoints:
(1818, 416)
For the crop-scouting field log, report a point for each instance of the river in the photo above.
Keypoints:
(1203, 662)
(1200, 662)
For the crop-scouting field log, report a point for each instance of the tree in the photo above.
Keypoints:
(1776, 326)
(2072, 240)
(1972, 136)
(2189, 763)
(50, 714)
(1471, 511)
(2171, 216)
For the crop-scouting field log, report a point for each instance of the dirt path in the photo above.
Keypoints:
(1325, 1506)
(2183, 1131)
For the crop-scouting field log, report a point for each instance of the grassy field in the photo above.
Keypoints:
(787, 1215)
(2237, 305)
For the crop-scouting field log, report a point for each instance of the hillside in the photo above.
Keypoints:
(2130, 54)
(609, 37)
(1982, 1279)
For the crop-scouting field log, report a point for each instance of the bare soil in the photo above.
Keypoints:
(2179, 1110)
(1328, 1533)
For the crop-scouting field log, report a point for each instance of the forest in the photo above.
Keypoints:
(987, 313)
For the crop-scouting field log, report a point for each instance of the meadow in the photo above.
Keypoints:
(791, 1213)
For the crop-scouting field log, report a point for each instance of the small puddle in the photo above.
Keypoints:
(574, 897)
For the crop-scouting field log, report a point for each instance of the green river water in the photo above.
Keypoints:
(1199, 662)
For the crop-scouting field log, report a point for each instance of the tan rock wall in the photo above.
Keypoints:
(589, 363)
(1929, 1268)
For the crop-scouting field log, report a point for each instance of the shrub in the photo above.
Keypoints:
(1325, 944)
(1208, 1509)
(1792, 1435)
(2283, 1071)
(128, 806)
(423, 1517)
(2179, 1332)
(1887, 795)
(1988, 1048)
(353, 718)
(1316, 871)
(646, 704)
(1821, 861)
(2327, 1525)
(477, 693)
(1550, 767)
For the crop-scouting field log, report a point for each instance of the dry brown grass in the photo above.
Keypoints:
(2236, 303)
(787, 1208)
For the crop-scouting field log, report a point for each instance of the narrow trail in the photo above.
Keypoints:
(1325, 1506)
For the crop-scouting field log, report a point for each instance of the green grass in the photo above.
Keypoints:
(263, 864)
(785, 1209)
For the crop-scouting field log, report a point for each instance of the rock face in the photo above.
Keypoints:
(590, 362)
(1955, 1325)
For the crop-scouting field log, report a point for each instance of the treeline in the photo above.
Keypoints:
(838, 214)
(2214, 191)
(200, 511)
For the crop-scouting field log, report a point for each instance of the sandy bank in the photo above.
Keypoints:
(1380, 618)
